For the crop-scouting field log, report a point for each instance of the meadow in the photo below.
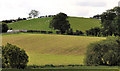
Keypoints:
(77, 23)
(53, 49)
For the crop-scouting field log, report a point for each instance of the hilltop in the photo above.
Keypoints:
(77, 23)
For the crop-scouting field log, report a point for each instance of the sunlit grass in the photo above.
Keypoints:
(52, 49)
(77, 23)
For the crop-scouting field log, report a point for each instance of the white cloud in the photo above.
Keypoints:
(92, 4)
(86, 8)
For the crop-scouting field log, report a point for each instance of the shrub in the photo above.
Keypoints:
(93, 31)
(50, 32)
(44, 32)
(13, 57)
(58, 32)
(70, 31)
(81, 33)
(105, 52)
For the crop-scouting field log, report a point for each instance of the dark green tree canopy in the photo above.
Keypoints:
(109, 20)
(60, 22)
(13, 57)
(105, 52)
(94, 31)
(4, 27)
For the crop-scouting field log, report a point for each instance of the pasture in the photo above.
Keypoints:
(51, 49)
(77, 23)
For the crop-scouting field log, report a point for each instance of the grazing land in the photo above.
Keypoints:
(77, 23)
(51, 49)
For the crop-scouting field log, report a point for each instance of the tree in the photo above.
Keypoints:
(33, 13)
(4, 27)
(105, 52)
(60, 22)
(110, 21)
(13, 57)
(116, 23)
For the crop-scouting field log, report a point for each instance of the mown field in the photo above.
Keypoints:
(77, 23)
(51, 49)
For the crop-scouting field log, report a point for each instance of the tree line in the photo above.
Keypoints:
(107, 51)
(110, 22)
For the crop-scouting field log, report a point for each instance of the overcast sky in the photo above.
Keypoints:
(12, 9)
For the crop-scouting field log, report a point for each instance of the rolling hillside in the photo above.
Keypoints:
(51, 49)
(77, 23)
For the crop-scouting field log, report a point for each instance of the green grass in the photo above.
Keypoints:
(83, 24)
(60, 70)
(77, 23)
(82, 68)
(51, 49)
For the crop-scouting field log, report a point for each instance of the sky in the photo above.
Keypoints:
(12, 9)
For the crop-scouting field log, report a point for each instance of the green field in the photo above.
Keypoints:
(82, 68)
(51, 49)
(77, 23)
(60, 70)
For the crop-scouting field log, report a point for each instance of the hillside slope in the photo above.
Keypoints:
(77, 23)
(52, 49)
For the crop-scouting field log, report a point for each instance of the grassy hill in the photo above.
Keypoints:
(77, 23)
(52, 49)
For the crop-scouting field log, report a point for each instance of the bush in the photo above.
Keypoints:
(81, 33)
(93, 31)
(70, 31)
(13, 57)
(105, 52)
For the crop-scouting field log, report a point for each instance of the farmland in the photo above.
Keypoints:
(77, 23)
(51, 49)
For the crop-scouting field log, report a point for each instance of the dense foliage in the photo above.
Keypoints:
(105, 52)
(13, 57)
(94, 31)
(4, 27)
(60, 22)
(110, 21)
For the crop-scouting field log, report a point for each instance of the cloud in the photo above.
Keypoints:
(85, 8)
(92, 4)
